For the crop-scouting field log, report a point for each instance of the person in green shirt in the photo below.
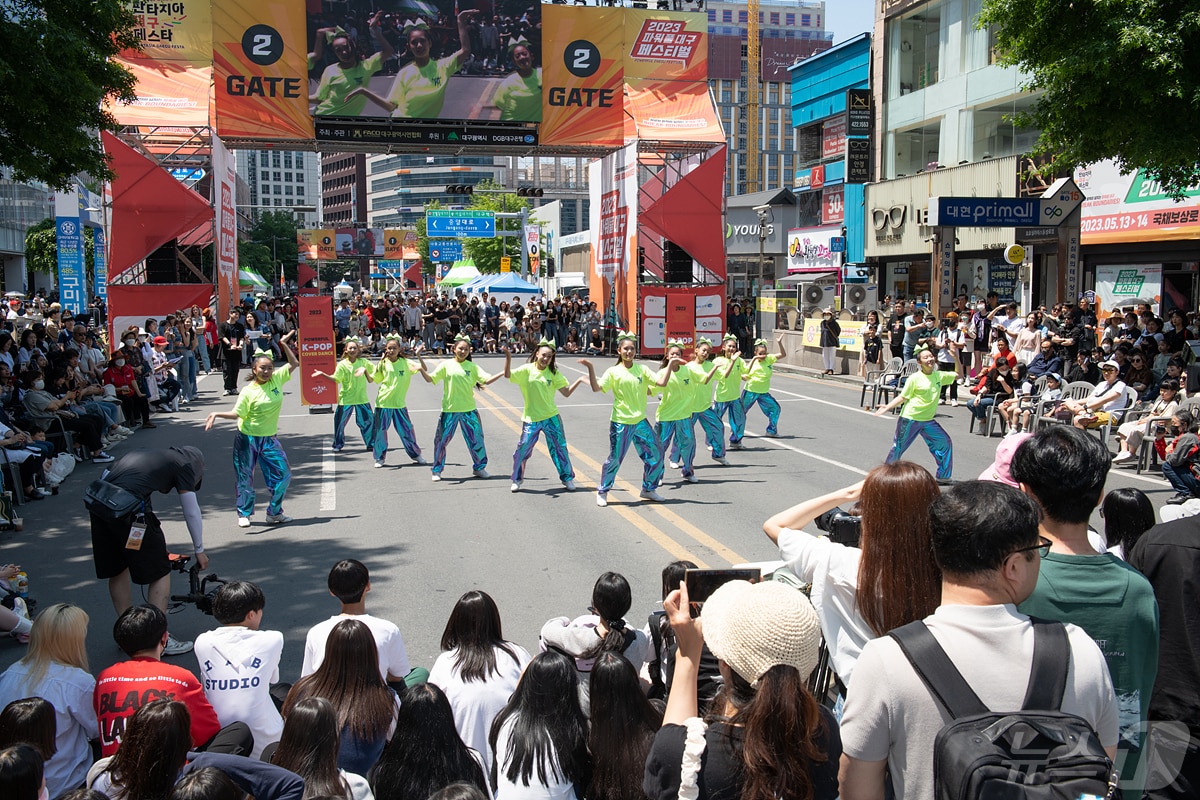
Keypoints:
(352, 375)
(758, 383)
(631, 384)
(920, 398)
(459, 377)
(538, 380)
(257, 415)
(342, 91)
(674, 413)
(519, 96)
(702, 405)
(730, 369)
(393, 374)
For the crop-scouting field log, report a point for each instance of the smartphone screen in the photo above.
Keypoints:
(701, 583)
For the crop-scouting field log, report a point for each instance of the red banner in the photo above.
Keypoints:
(316, 350)
(687, 313)
(681, 318)
(833, 205)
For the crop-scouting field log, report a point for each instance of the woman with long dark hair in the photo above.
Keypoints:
(766, 737)
(349, 679)
(1128, 513)
(539, 740)
(21, 773)
(426, 754)
(309, 747)
(478, 669)
(604, 629)
(459, 376)
(623, 726)
(538, 381)
(889, 579)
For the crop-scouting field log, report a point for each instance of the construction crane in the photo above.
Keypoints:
(753, 76)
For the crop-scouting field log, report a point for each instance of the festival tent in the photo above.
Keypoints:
(506, 283)
(253, 280)
(459, 274)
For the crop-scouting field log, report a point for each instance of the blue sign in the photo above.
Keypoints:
(71, 291)
(837, 244)
(187, 174)
(454, 223)
(445, 250)
(984, 212)
(100, 261)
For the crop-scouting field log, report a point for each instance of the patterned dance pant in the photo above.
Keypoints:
(362, 417)
(472, 430)
(556, 441)
(768, 404)
(649, 449)
(714, 430)
(683, 432)
(398, 417)
(936, 439)
(737, 418)
(266, 452)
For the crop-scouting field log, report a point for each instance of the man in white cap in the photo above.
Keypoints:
(1105, 402)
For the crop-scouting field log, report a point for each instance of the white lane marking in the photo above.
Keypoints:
(785, 446)
(328, 475)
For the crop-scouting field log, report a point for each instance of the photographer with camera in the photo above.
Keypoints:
(128, 545)
(875, 570)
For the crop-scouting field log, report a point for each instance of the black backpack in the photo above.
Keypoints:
(1036, 752)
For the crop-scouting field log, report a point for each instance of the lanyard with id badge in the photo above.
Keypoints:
(137, 531)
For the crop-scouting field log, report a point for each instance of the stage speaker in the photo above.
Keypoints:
(677, 264)
(162, 266)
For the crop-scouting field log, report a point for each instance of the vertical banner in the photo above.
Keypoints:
(100, 263)
(612, 187)
(945, 270)
(69, 237)
(533, 247)
(316, 350)
(681, 318)
(226, 228)
(583, 79)
(260, 70)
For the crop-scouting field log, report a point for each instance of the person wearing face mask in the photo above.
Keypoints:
(48, 413)
(121, 376)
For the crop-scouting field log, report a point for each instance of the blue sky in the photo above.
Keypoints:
(847, 18)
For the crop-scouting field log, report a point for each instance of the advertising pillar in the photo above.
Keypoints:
(71, 289)
(943, 298)
(316, 350)
(226, 228)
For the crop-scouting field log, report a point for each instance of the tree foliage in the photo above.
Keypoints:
(1119, 79)
(272, 241)
(56, 71)
(41, 248)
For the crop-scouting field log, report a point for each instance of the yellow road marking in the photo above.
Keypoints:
(699, 536)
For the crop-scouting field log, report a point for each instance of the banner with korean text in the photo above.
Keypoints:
(316, 350)
(223, 183)
(72, 291)
(613, 188)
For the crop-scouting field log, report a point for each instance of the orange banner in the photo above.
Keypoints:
(582, 76)
(665, 46)
(672, 111)
(318, 244)
(168, 93)
(179, 30)
(260, 81)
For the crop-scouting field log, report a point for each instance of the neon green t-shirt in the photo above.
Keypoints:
(630, 388)
(420, 92)
(458, 384)
(352, 390)
(520, 99)
(258, 404)
(729, 388)
(393, 379)
(921, 394)
(677, 395)
(702, 393)
(538, 387)
(338, 81)
(758, 377)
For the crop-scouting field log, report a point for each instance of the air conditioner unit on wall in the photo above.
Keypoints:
(860, 298)
(816, 296)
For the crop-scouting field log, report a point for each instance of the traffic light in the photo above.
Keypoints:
(550, 267)
(529, 191)
(460, 188)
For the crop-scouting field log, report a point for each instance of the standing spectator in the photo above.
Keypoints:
(831, 333)
(232, 335)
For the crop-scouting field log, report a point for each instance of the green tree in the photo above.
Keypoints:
(41, 249)
(56, 72)
(1118, 80)
(275, 231)
(487, 252)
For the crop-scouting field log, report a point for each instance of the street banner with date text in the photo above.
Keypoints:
(316, 350)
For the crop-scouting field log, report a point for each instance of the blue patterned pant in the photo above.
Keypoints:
(737, 418)
(397, 417)
(936, 439)
(683, 432)
(714, 430)
(472, 430)
(649, 449)
(556, 441)
(362, 417)
(268, 454)
(768, 404)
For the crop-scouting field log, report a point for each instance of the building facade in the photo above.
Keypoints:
(343, 189)
(284, 178)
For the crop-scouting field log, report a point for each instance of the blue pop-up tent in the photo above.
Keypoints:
(501, 284)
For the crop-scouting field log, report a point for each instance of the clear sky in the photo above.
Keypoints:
(848, 18)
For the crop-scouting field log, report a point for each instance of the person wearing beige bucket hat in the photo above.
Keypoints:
(765, 736)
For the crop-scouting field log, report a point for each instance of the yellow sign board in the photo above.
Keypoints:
(851, 337)
(506, 263)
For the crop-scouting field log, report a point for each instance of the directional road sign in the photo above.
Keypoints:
(469, 224)
(445, 250)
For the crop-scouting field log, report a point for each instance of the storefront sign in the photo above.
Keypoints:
(833, 207)
(858, 112)
(811, 250)
(858, 161)
(1131, 207)
(833, 138)
(1119, 285)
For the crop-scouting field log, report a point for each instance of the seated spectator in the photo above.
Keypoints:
(123, 378)
(50, 414)
(1131, 434)
(1103, 404)
(348, 679)
(1140, 377)
(1018, 412)
(238, 663)
(1128, 513)
(862, 588)
(1179, 456)
(767, 638)
(986, 542)
(309, 747)
(1064, 470)
(123, 688)
(663, 646)
(996, 386)
(1046, 361)
(586, 637)
(169, 386)
(349, 582)
(21, 773)
(30, 721)
(623, 726)
(56, 669)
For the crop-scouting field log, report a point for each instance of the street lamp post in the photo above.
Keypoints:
(764, 218)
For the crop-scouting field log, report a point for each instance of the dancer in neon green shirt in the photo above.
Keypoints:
(519, 96)
(459, 377)
(393, 374)
(352, 375)
(341, 91)
(758, 383)
(538, 381)
(674, 414)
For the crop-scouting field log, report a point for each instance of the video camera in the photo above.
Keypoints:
(842, 526)
(199, 594)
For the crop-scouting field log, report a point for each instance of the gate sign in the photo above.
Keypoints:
(445, 250)
(469, 224)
